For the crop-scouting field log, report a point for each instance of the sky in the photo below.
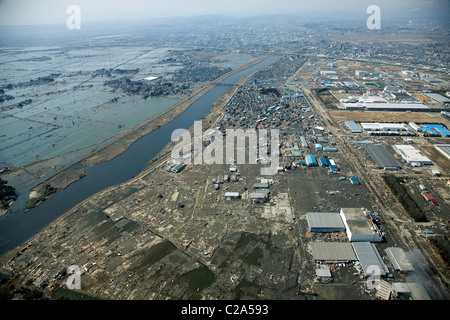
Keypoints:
(31, 12)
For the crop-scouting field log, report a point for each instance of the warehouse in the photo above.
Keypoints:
(411, 155)
(399, 259)
(178, 167)
(363, 231)
(415, 126)
(382, 158)
(311, 161)
(437, 127)
(261, 185)
(374, 106)
(324, 162)
(232, 195)
(376, 126)
(437, 97)
(333, 251)
(370, 259)
(354, 128)
(444, 149)
(359, 226)
(354, 214)
(413, 290)
(257, 197)
(333, 165)
(428, 131)
(324, 222)
(327, 73)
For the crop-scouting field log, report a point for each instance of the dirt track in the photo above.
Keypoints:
(380, 116)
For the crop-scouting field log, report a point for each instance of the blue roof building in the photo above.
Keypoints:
(324, 162)
(311, 161)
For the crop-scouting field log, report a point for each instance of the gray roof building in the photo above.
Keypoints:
(369, 258)
(382, 158)
(353, 126)
(399, 259)
(325, 222)
(333, 251)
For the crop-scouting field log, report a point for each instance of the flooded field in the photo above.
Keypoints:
(60, 105)
(74, 110)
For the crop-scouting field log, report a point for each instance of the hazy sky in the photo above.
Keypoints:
(27, 12)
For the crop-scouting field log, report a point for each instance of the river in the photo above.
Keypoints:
(18, 227)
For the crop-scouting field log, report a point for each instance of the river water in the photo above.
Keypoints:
(17, 227)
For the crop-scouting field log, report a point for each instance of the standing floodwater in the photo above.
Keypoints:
(19, 227)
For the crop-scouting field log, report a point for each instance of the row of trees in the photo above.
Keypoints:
(405, 198)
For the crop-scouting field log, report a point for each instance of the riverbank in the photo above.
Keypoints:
(63, 178)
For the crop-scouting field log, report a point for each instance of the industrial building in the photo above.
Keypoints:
(323, 275)
(311, 161)
(437, 97)
(363, 231)
(324, 162)
(178, 167)
(324, 222)
(411, 155)
(327, 73)
(333, 251)
(437, 127)
(261, 185)
(369, 258)
(382, 158)
(444, 149)
(373, 106)
(354, 128)
(359, 226)
(415, 126)
(413, 290)
(354, 214)
(232, 195)
(333, 165)
(376, 126)
(399, 259)
(258, 197)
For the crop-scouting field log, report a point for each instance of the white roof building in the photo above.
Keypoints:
(411, 155)
(376, 126)
(359, 226)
